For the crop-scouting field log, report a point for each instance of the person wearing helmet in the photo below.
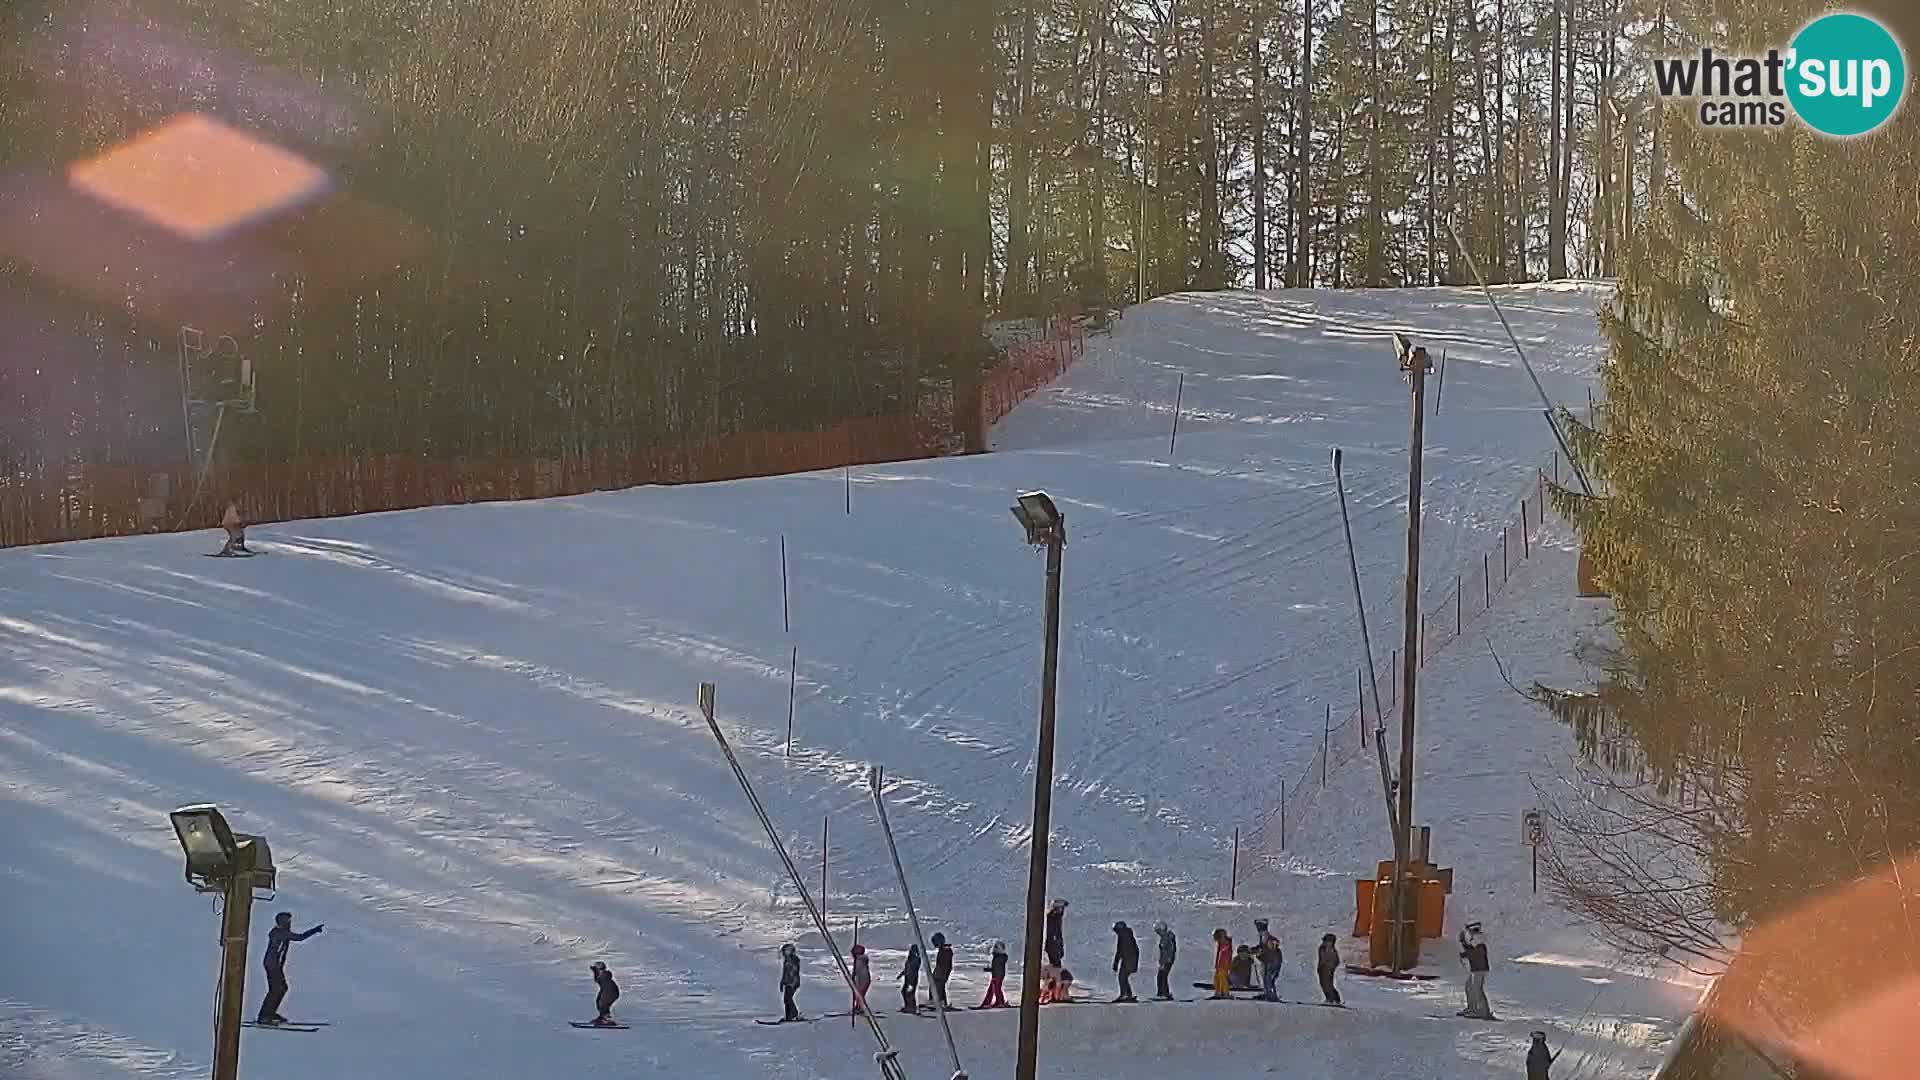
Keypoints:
(1126, 959)
(910, 981)
(1056, 937)
(997, 975)
(789, 979)
(862, 979)
(1222, 962)
(609, 993)
(942, 968)
(1325, 965)
(1473, 953)
(1266, 949)
(1163, 990)
(1539, 1059)
(279, 940)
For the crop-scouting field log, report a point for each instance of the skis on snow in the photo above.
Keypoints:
(282, 1027)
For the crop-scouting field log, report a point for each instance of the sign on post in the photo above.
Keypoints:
(1533, 827)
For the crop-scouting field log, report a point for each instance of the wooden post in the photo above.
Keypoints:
(1233, 867)
(786, 618)
(1414, 360)
(1179, 392)
(793, 676)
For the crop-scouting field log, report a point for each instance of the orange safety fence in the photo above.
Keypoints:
(1031, 365)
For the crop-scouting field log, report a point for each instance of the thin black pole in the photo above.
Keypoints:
(824, 850)
(1441, 386)
(1233, 868)
(1366, 646)
(1326, 743)
(849, 472)
(786, 617)
(1179, 392)
(793, 676)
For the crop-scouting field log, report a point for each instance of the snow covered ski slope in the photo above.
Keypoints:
(469, 734)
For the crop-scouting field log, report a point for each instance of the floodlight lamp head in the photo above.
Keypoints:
(207, 842)
(1040, 517)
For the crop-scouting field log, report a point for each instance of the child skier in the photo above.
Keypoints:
(1473, 953)
(279, 940)
(1126, 959)
(1327, 963)
(862, 979)
(1268, 953)
(942, 968)
(789, 979)
(608, 994)
(1168, 949)
(1240, 973)
(1056, 937)
(1539, 1059)
(1222, 962)
(910, 981)
(997, 974)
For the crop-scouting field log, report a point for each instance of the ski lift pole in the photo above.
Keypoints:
(875, 778)
(886, 1057)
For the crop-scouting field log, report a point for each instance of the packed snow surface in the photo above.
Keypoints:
(470, 735)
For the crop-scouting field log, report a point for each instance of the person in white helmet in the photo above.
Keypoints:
(1169, 948)
(1473, 953)
(997, 975)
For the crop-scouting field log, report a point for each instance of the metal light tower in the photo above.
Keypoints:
(234, 864)
(1046, 527)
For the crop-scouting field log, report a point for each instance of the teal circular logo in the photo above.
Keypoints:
(1846, 75)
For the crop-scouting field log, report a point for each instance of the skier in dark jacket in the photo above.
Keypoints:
(1267, 951)
(997, 975)
(1056, 939)
(1539, 1060)
(1473, 953)
(910, 980)
(1126, 959)
(942, 967)
(279, 939)
(609, 993)
(1169, 948)
(789, 979)
(1328, 963)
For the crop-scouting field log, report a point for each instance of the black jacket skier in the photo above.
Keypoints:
(1169, 948)
(789, 979)
(1056, 938)
(279, 940)
(608, 994)
(1539, 1060)
(942, 966)
(1126, 958)
(910, 980)
(1325, 965)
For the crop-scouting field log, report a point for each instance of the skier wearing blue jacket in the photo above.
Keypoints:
(1168, 949)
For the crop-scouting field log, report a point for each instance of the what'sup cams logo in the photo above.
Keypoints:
(1844, 75)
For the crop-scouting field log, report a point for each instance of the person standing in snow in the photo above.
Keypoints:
(1056, 939)
(1267, 951)
(1222, 961)
(789, 979)
(279, 940)
(942, 968)
(997, 974)
(1126, 959)
(862, 979)
(1473, 953)
(1328, 963)
(910, 980)
(608, 994)
(1539, 1059)
(1168, 949)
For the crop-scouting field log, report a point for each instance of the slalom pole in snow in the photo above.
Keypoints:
(1366, 643)
(875, 779)
(887, 1057)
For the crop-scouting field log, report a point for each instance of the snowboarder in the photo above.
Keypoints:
(279, 939)
(1126, 959)
(1168, 949)
(1473, 953)
(1328, 963)
(1222, 962)
(236, 533)
(1056, 938)
(910, 980)
(862, 979)
(997, 974)
(789, 979)
(1269, 955)
(609, 993)
(1240, 972)
(942, 968)
(1539, 1059)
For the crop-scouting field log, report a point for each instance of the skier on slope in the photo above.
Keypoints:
(1222, 962)
(1473, 953)
(789, 979)
(279, 940)
(1056, 938)
(1539, 1058)
(862, 978)
(1168, 949)
(996, 975)
(236, 532)
(1126, 959)
(1327, 963)
(608, 994)
(1267, 951)
(910, 981)
(942, 968)
(1240, 971)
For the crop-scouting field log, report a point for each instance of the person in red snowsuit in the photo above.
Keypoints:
(997, 971)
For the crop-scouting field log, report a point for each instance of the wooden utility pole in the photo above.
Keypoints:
(1414, 361)
(236, 920)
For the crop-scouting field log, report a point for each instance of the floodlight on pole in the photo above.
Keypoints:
(1046, 527)
(234, 864)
